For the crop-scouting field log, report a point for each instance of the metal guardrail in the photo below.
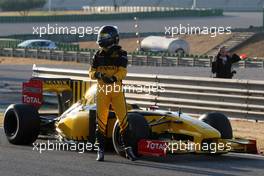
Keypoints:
(139, 60)
(194, 95)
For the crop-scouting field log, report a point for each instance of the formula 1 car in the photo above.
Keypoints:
(154, 132)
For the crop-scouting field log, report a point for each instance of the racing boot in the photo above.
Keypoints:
(128, 149)
(100, 152)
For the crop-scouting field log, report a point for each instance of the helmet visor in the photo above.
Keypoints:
(103, 37)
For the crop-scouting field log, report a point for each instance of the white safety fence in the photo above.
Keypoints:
(193, 95)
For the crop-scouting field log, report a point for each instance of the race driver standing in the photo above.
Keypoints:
(109, 68)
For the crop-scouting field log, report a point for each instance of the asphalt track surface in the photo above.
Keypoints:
(24, 161)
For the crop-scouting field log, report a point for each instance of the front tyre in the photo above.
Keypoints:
(220, 122)
(138, 128)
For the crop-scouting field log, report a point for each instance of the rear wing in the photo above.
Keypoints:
(34, 89)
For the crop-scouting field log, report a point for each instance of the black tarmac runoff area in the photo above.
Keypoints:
(27, 161)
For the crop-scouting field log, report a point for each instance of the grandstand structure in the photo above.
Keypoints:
(227, 5)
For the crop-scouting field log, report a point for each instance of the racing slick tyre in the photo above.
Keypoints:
(21, 124)
(138, 128)
(220, 122)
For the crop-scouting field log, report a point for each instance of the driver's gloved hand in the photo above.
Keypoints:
(109, 80)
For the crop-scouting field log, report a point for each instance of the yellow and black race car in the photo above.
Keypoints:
(154, 132)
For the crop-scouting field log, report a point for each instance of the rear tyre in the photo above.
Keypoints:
(21, 124)
(139, 129)
(220, 122)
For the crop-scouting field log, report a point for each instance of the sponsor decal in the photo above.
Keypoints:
(32, 93)
(152, 147)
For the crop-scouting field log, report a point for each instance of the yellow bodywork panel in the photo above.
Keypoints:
(75, 126)
(181, 125)
(90, 95)
(56, 86)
